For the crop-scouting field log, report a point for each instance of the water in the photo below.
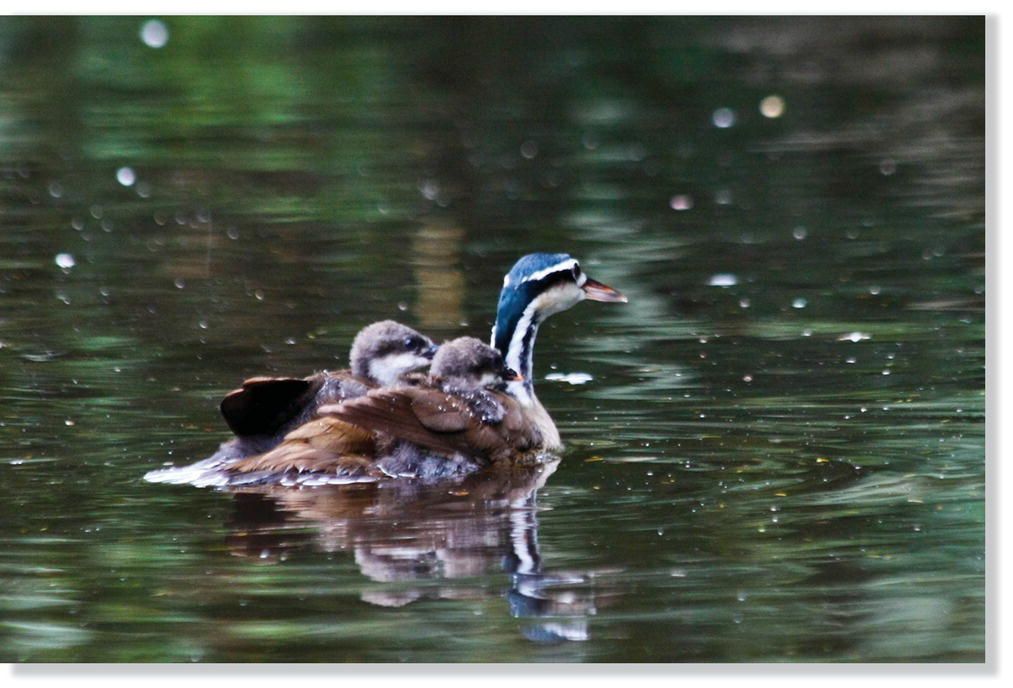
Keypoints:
(775, 450)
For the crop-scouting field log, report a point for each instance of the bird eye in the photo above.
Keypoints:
(412, 342)
(576, 272)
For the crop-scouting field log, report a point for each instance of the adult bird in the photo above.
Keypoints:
(343, 439)
(537, 286)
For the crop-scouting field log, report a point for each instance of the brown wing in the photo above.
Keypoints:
(264, 404)
(324, 444)
(392, 412)
(436, 420)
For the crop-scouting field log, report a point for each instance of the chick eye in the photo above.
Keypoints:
(412, 343)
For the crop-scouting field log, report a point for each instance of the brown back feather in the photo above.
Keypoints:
(324, 444)
(438, 421)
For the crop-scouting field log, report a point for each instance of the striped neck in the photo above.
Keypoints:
(514, 335)
(538, 285)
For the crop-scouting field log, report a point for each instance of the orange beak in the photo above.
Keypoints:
(596, 291)
(511, 375)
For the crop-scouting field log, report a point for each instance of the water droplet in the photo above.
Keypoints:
(179, 282)
(799, 303)
(723, 279)
(126, 176)
(723, 117)
(570, 378)
(154, 33)
(887, 167)
(429, 189)
(743, 303)
(853, 337)
(65, 260)
(55, 189)
(799, 233)
(681, 202)
(529, 149)
(772, 106)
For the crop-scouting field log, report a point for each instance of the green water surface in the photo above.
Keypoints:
(775, 452)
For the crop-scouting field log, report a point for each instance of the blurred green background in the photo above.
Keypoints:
(777, 450)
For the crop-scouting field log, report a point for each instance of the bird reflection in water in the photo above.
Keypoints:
(411, 537)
